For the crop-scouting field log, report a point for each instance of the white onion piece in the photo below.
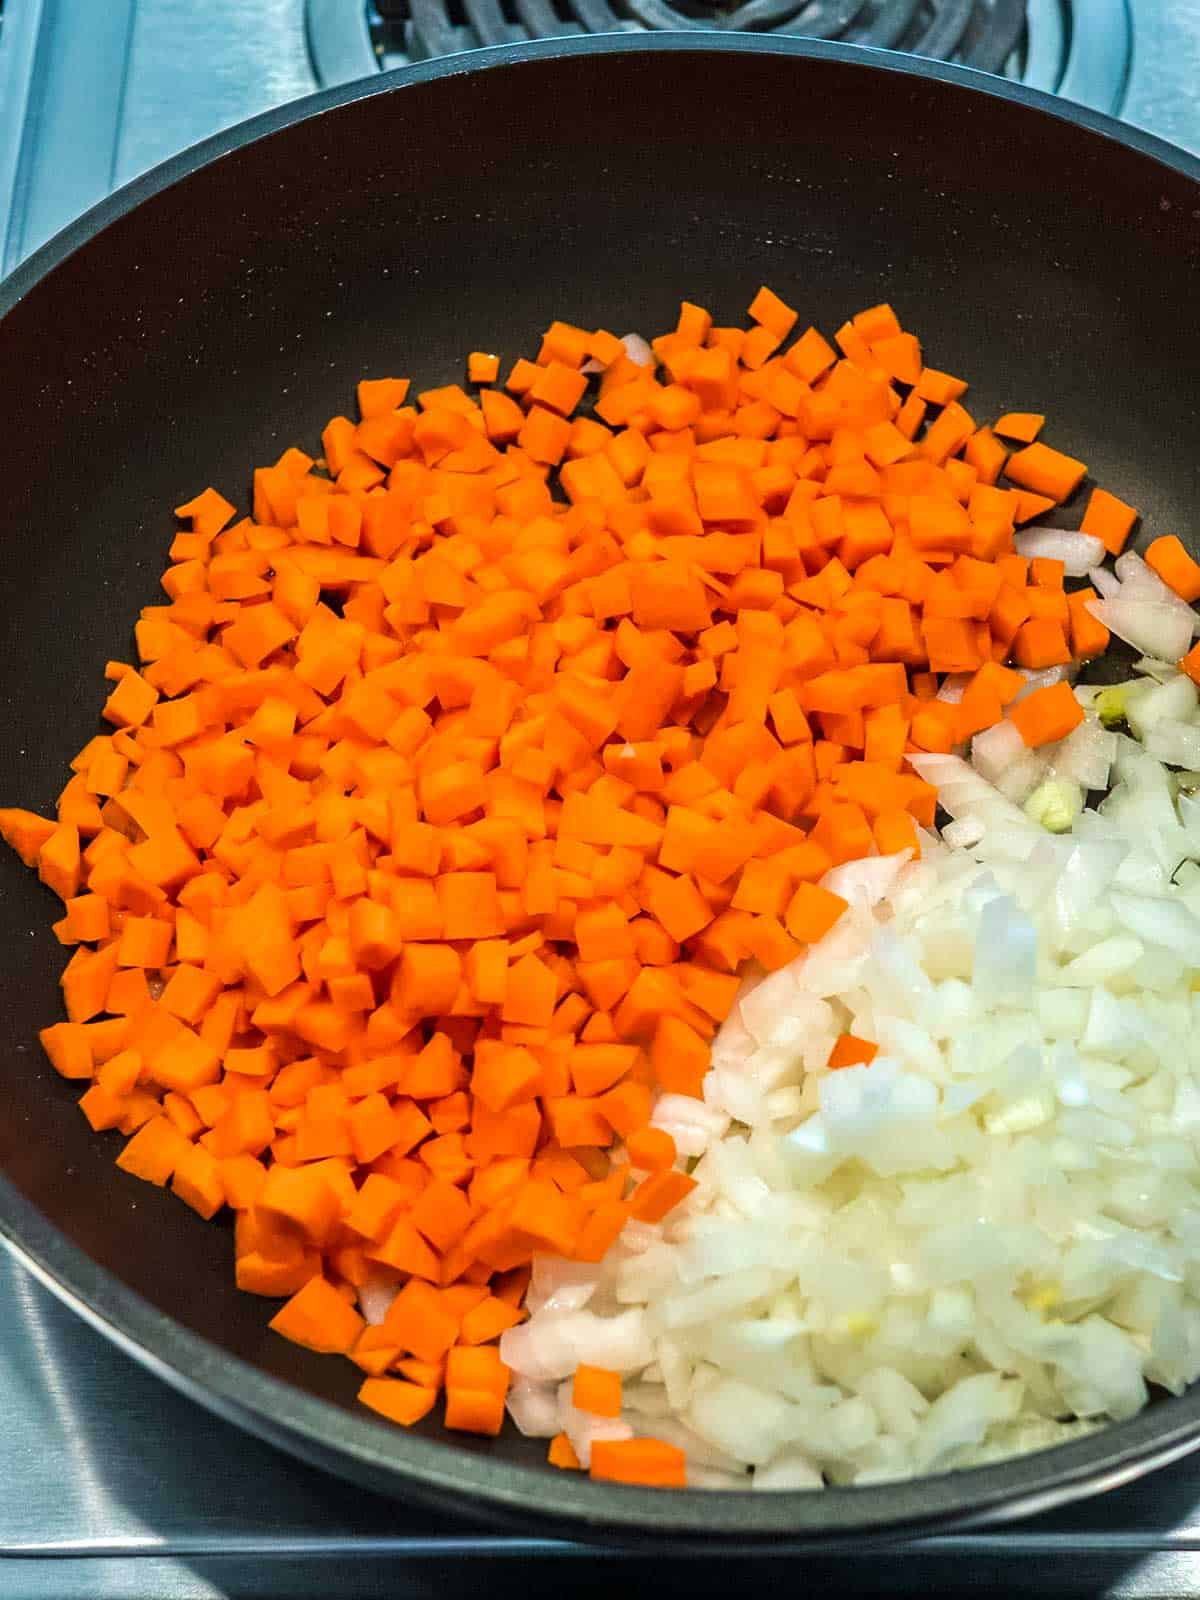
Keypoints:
(538, 1350)
(1141, 582)
(1161, 920)
(964, 834)
(637, 349)
(533, 1407)
(963, 793)
(1176, 743)
(559, 1285)
(1086, 755)
(1106, 584)
(1017, 782)
(953, 686)
(1152, 667)
(790, 1470)
(865, 882)
(1142, 579)
(1171, 701)
(1150, 626)
(375, 1300)
(996, 749)
(1005, 954)
(710, 1478)
(1078, 552)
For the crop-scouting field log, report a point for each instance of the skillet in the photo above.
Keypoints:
(221, 308)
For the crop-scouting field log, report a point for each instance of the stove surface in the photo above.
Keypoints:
(93, 92)
(116, 1486)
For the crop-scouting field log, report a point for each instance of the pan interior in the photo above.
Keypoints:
(227, 316)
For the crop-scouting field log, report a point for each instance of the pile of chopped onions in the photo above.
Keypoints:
(1139, 608)
(986, 1240)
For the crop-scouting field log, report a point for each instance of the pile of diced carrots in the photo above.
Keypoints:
(459, 780)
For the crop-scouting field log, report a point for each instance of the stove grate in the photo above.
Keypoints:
(1081, 49)
(987, 34)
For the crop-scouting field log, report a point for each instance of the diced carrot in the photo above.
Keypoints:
(896, 831)
(482, 367)
(648, 1462)
(1190, 664)
(1030, 506)
(473, 1411)
(1047, 714)
(769, 310)
(397, 1400)
(1024, 426)
(851, 1052)
(1045, 471)
(679, 1057)
(812, 911)
(598, 1390)
(1175, 567)
(318, 1317)
(480, 1370)
(419, 1322)
(652, 1149)
(1089, 636)
(1041, 643)
(562, 1454)
(659, 1194)
(25, 832)
(488, 1320)
(1108, 519)
(939, 388)
(601, 1230)
(154, 1152)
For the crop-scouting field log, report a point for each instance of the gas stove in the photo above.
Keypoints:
(114, 1485)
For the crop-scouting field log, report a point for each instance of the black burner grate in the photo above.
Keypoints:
(981, 33)
(1081, 49)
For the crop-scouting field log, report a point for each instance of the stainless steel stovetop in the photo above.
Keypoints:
(114, 1486)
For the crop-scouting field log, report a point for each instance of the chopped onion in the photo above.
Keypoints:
(1106, 584)
(1141, 579)
(1149, 625)
(866, 882)
(559, 1285)
(953, 686)
(788, 1470)
(533, 1408)
(637, 349)
(375, 1300)
(1086, 755)
(1078, 552)
(1152, 667)
(1173, 701)
(996, 749)
(1176, 743)
(912, 1264)
(965, 834)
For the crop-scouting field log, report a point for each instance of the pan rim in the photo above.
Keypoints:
(229, 141)
(312, 1427)
(682, 1520)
